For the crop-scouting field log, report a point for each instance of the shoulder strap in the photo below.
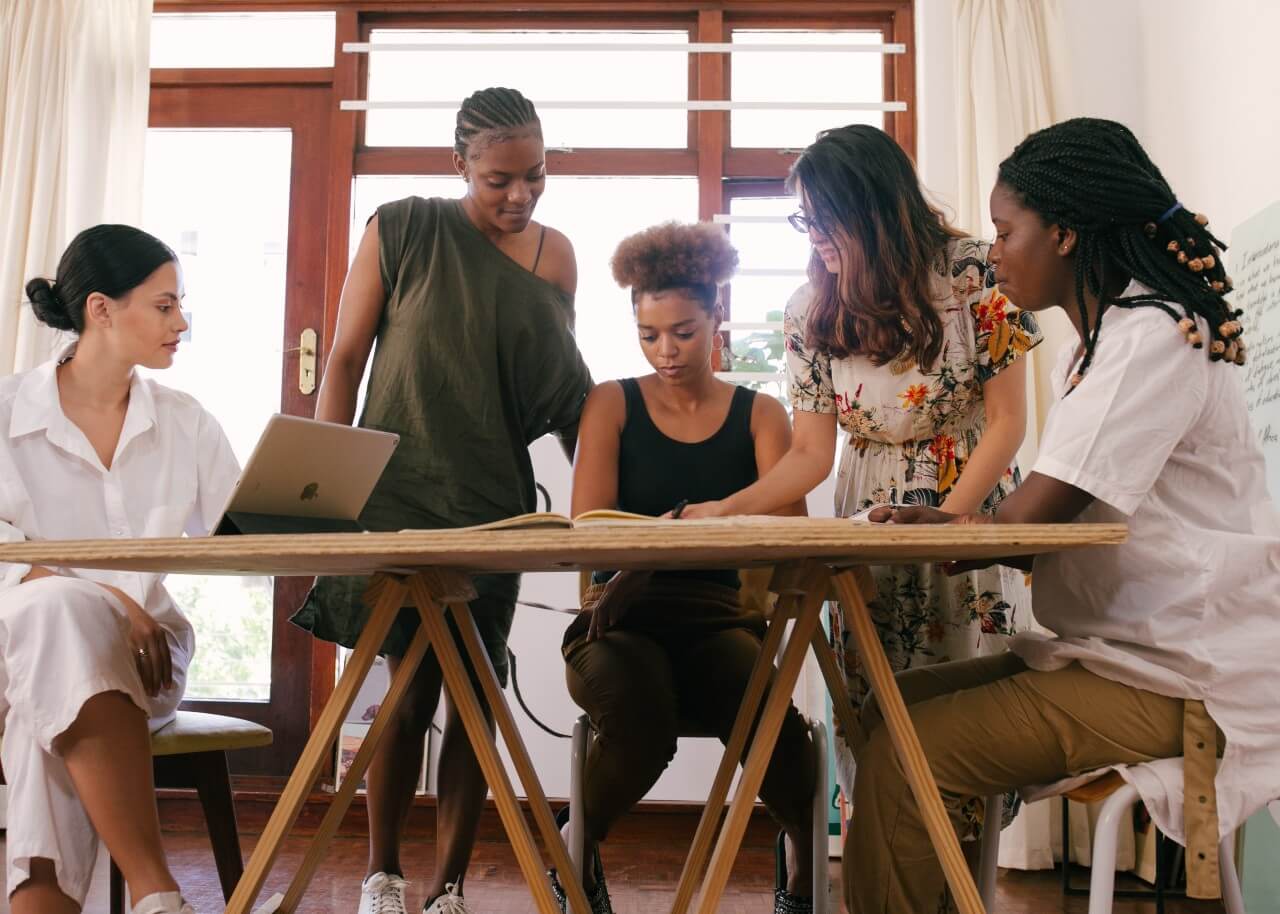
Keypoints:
(744, 399)
(634, 399)
(542, 236)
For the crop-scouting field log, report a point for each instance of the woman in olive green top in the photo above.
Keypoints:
(471, 305)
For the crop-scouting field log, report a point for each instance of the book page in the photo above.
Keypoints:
(609, 516)
(605, 517)
(537, 520)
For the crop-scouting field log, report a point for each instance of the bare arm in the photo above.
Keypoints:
(595, 469)
(1005, 401)
(1043, 500)
(559, 266)
(1039, 500)
(771, 431)
(595, 486)
(795, 475)
(359, 311)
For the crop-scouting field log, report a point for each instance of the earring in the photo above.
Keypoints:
(717, 343)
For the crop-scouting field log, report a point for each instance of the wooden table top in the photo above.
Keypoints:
(725, 542)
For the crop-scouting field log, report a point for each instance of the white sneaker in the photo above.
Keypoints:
(163, 903)
(448, 903)
(383, 893)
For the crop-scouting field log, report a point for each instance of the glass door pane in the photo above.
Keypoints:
(243, 39)
(451, 75)
(772, 261)
(220, 199)
(784, 76)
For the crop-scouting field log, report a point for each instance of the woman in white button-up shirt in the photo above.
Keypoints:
(1157, 640)
(92, 661)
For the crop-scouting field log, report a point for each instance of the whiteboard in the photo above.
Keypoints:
(1254, 265)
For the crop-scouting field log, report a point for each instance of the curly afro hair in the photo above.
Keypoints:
(676, 255)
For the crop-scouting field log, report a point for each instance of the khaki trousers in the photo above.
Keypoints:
(987, 725)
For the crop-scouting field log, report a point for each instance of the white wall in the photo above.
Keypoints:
(1196, 82)
(1210, 111)
(1102, 50)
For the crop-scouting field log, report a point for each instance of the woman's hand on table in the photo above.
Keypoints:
(148, 643)
(613, 604)
(700, 510)
(918, 514)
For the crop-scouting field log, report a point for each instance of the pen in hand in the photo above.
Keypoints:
(676, 511)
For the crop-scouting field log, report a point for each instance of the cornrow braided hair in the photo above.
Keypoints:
(497, 111)
(1093, 176)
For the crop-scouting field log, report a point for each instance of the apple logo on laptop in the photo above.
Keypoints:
(310, 491)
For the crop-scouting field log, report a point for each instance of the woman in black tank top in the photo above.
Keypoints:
(656, 472)
(656, 655)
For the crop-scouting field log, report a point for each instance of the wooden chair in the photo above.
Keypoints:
(191, 751)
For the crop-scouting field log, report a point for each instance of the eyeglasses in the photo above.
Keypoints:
(802, 223)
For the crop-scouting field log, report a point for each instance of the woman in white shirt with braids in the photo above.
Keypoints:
(1163, 652)
(92, 661)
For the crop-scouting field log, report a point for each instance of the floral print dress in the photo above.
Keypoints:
(910, 431)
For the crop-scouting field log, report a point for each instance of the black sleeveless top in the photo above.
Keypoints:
(656, 473)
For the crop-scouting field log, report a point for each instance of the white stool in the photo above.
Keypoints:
(1119, 798)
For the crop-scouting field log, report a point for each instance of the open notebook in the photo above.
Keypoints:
(551, 520)
(606, 517)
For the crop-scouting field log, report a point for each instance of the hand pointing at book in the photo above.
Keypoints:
(700, 510)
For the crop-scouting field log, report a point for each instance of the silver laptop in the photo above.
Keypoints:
(306, 476)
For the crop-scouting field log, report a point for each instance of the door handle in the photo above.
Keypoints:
(306, 350)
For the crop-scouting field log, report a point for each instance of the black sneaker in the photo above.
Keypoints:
(783, 901)
(598, 897)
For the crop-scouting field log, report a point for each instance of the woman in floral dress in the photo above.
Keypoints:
(901, 340)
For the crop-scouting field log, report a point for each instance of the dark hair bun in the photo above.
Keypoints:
(110, 259)
(673, 255)
(48, 305)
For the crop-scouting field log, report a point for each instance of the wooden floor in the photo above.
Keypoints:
(641, 881)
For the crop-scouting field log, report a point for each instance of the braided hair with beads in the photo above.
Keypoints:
(1093, 176)
(499, 113)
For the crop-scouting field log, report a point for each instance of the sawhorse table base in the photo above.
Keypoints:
(802, 589)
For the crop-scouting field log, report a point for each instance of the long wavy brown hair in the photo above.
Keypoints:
(861, 191)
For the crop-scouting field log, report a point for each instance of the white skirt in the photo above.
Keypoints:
(62, 641)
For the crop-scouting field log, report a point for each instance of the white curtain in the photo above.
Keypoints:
(74, 82)
(1011, 79)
